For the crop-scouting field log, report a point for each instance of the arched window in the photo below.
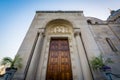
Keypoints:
(89, 21)
(111, 44)
(96, 22)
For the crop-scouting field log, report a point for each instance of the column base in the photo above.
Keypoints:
(18, 76)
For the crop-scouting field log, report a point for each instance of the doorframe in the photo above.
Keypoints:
(46, 51)
(73, 54)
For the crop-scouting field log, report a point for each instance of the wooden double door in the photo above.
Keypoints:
(59, 62)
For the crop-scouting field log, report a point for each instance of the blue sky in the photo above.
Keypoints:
(16, 17)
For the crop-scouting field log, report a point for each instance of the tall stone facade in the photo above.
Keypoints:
(87, 37)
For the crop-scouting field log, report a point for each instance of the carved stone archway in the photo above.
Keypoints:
(59, 27)
(60, 30)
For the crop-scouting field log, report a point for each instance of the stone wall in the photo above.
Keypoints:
(103, 32)
(86, 40)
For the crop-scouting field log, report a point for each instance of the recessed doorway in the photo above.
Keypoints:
(59, 61)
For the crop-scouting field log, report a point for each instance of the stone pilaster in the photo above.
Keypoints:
(41, 60)
(31, 74)
(83, 59)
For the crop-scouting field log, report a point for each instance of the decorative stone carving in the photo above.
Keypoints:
(41, 32)
(59, 29)
(76, 33)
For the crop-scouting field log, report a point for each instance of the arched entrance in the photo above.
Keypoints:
(59, 59)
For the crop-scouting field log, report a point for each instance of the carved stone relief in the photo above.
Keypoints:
(58, 29)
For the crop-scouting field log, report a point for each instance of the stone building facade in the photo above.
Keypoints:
(59, 45)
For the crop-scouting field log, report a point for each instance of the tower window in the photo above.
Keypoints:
(96, 22)
(89, 21)
(111, 45)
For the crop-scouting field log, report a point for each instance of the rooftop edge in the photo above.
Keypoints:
(59, 11)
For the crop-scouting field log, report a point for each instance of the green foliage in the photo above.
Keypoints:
(6, 61)
(13, 63)
(97, 62)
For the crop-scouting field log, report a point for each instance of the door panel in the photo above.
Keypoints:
(59, 63)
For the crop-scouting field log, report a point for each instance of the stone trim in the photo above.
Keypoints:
(59, 11)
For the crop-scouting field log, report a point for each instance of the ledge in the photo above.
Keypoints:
(59, 11)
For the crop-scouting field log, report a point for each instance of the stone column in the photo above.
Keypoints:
(84, 63)
(31, 74)
(41, 61)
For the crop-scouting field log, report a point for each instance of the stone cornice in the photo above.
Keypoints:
(59, 11)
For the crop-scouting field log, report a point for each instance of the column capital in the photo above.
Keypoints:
(41, 32)
(41, 29)
(76, 33)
